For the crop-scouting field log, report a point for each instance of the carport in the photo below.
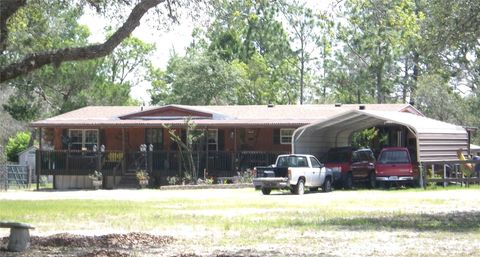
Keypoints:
(433, 140)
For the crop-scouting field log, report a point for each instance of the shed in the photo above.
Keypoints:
(435, 140)
(27, 157)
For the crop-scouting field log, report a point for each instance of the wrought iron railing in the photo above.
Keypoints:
(158, 163)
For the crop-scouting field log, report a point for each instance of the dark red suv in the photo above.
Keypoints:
(355, 165)
(395, 165)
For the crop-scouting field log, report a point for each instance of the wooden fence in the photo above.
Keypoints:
(449, 172)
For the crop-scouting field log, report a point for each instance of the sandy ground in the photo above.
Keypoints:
(341, 242)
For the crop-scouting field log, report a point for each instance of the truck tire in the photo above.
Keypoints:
(327, 185)
(299, 189)
(348, 181)
(266, 191)
(372, 180)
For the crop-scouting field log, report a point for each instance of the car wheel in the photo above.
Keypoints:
(327, 185)
(372, 180)
(266, 191)
(313, 189)
(300, 187)
(348, 181)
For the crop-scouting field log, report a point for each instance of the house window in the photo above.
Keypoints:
(154, 136)
(286, 136)
(83, 139)
(212, 139)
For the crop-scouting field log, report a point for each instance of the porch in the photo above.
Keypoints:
(160, 164)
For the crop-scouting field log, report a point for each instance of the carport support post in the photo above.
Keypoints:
(421, 168)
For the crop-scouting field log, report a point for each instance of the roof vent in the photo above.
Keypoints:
(361, 107)
(338, 104)
(270, 105)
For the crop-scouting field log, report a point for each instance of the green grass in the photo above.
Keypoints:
(246, 213)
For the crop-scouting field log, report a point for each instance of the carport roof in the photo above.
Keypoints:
(437, 140)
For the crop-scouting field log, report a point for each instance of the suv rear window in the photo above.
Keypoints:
(292, 161)
(394, 157)
(338, 157)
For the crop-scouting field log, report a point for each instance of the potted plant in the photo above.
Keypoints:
(142, 177)
(97, 179)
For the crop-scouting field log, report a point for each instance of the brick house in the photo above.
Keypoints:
(119, 140)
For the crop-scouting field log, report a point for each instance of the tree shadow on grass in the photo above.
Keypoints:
(442, 222)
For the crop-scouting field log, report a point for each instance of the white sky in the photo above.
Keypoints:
(178, 38)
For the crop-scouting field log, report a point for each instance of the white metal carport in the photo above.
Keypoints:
(435, 140)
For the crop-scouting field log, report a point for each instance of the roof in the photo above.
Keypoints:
(227, 115)
(27, 150)
(436, 140)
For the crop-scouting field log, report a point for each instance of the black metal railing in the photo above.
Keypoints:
(158, 163)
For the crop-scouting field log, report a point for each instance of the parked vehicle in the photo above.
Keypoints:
(295, 172)
(394, 165)
(354, 165)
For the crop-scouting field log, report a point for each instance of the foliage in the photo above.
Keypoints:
(364, 138)
(96, 175)
(16, 144)
(245, 177)
(186, 148)
(173, 180)
(142, 175)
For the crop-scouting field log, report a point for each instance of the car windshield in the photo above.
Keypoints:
(292, 161)
(337, 157)
(395, 156)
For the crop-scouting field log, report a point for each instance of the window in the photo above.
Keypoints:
(315, 163)
(212, 139)
(154, 136)
(83, 139)
(286, 136)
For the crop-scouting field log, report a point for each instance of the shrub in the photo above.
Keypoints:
(17, 144)
(96, 175)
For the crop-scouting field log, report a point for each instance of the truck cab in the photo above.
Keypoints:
(295, 172)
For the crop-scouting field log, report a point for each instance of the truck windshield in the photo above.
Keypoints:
(394, 157)
(292, 161)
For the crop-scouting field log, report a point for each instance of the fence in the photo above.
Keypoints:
(160, 163)
(15, 176)
(450, 172)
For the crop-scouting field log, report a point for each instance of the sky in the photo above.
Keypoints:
(177, 38)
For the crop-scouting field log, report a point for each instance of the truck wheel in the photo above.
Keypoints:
(327, 185)
(347, 181)
(266, 191)
(300, 187)
(372, 180)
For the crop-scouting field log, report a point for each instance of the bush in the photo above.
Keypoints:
(17, 144)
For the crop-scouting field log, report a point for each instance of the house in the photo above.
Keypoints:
(119, 140)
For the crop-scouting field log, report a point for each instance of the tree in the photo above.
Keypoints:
(17, 144)
(309, 33)
(11, 9)
(186, 148)
(373, 37)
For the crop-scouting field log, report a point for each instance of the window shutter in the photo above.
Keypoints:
(221, 140)
(276, 136)
(102, 139)
(65, 139)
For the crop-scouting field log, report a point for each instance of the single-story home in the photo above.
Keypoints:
(119, 140)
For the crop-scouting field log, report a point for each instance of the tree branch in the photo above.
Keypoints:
(7, 9)
(37, 60)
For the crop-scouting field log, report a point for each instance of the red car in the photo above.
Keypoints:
(395, 165)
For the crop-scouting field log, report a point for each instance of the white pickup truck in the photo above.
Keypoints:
(294, 172)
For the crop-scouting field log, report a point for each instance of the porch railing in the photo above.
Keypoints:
(158, 163)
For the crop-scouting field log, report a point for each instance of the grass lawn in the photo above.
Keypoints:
(402, 222)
